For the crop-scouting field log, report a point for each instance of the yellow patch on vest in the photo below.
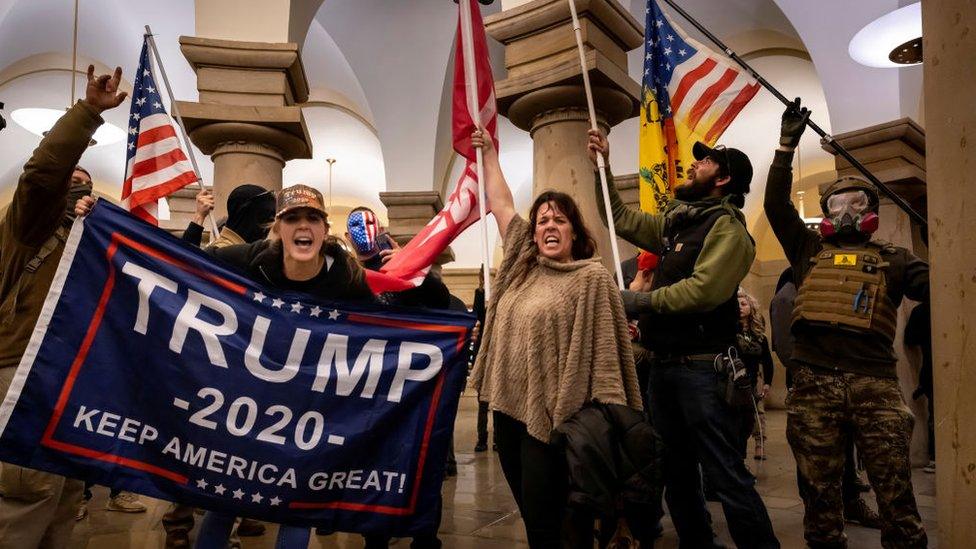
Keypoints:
(845, 259)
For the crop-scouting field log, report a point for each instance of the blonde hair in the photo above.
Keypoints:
(755, 322)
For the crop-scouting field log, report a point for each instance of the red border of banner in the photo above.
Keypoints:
(118, 239)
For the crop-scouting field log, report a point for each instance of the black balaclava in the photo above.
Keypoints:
(75, 193)
(250, 212)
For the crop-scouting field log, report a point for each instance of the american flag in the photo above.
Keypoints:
(690, 93)
(408, 268)
(155, 164)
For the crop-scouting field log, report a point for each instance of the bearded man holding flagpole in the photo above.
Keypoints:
(689, 318)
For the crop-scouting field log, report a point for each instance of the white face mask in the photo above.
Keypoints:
(852, 203)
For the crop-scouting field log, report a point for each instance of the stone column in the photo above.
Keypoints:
(895, 154)
(950, 94)
(409, 212)
(544, 95)
(247, 118)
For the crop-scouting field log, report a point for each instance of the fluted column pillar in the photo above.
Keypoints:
(544, 95)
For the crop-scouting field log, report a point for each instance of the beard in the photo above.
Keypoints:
(694, 190)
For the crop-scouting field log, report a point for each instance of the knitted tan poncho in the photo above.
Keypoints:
(555, 338)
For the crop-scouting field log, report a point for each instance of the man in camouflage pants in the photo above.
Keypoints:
(844, 322)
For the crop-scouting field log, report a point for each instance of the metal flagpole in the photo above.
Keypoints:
(600, 162)
(825, 137)
(176, 113)
(471, 91)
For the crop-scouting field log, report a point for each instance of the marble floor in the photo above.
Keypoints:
(479, 510)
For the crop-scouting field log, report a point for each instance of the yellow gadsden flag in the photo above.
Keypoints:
(689, 93)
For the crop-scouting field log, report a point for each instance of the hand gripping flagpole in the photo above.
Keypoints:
(824, 136)
(471, 91)
(600, 162)
(186, 140)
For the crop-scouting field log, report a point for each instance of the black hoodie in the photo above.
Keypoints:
(262, 262)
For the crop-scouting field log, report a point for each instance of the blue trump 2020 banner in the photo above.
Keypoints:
(155, 369)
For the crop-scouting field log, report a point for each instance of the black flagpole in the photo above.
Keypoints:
(825, 137)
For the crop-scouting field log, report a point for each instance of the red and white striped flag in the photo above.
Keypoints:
(409, 267)
(155, 164)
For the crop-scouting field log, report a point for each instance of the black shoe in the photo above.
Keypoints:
(450, 470)
(250, 528)
(324, 532)
(481, 447)
(858, 512)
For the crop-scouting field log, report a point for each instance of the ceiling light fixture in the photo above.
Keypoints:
(39, 121)
(892, 40)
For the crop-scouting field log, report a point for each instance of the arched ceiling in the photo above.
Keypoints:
(380, 72)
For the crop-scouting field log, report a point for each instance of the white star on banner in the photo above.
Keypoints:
(649, 56)
(333, 315)
(275, 501)
(659, 23)
(670, 38)
(257, 497)
(238, 494)
(133, 130)
(219, 489)
(277, 303)
(132, 146)
(667, 51)
(157, 104)
(141, 101)
(150, 89)
(202, 484)
(259, 297)
(682, 53)
(135, 116)
(316, 311)
(296, 307)
(145, 72)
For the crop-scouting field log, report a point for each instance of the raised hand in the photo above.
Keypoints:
(102, 92)
(205, 205)
(598, 144)
(794, 122)
(84, 206)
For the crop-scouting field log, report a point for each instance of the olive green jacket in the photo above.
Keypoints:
(725, 258)
(31, 233)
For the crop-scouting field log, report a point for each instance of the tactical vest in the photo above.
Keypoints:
(693, 333)
(847, 288)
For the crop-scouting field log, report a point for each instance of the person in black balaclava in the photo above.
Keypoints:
(250, 212)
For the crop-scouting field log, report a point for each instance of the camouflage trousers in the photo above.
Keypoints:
(823, 409)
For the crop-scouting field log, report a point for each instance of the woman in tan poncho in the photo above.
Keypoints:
(555, 338)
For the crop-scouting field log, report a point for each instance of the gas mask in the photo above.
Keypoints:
(848, 214)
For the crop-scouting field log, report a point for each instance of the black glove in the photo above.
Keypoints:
(794, 122)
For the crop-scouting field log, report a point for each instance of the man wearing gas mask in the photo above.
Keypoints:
(844, 320)
(37, 508)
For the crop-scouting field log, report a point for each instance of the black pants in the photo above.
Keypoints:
(482, 423)
(536, 473)
(698, 428)
(427, 540)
